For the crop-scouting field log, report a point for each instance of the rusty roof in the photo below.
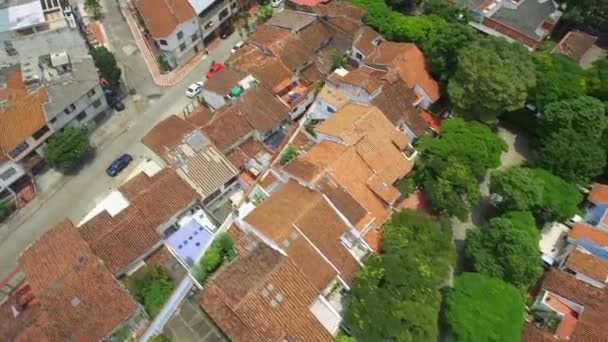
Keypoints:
(598, 193)
(366, 41)
(162, 17)
(200, 116)
(588, 264)
(167, 134)
(575, 44)
(396, 102)
(222, 81)
(269, 70)
(21, 119)
(227, 128)
(583, 231)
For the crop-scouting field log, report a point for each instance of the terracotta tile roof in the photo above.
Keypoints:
(303, 170)
(365, 40)
(340, 8)
(235, 300)
(315, 35)
(269, 70)
(302, 141)
(162, 17)
(409, 62)
(342, 199)
(333, 97)
(10, 326)
(53, 255)
(395, 101)
(532, 333)
(88, 302)
(223, 81)
(588, 264)
(575, 44)
(167, 134)
(131, 234)
(160, 257)
(344, 25)
(432, 121)
(200, 116)
(251, 147)
(237, 158)
(15, 88)
(22, 118)
(42, 329)
(583, 231)
(590, 326)
(312, 74)
(263, 110)
(269, 179)
(366, 78)
(227, 128)
(598, 193)
(283, 44)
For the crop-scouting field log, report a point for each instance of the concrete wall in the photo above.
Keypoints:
(84, 104)
(301, 106)
(172, 49)
(426, 101)
(42, 43)
(8, 177)
(209, 20)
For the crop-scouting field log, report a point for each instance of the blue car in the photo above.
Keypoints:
(119, 164)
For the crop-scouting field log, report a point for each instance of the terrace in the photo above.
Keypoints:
(190, 236)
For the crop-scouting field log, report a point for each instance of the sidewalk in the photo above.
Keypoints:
(163, 80)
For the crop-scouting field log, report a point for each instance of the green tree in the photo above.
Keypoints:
(445, 9)
(557, 77)
(471, 144)
(587, 15)
(407, 6)
(93, 7)
(493, 76)
(264, 13)
(453, 192)
(596, 79)
(507, 248)
(480, 308)
(571, 155)
(395, 296)
(586, 115)
(547, 196)
(66, 148)
(442, 48)
(5, 211)
(338, 60)
(155, 293)
(220, 251)
(106, 64)
(290, 153)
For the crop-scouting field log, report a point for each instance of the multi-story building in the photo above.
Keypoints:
(213, 16)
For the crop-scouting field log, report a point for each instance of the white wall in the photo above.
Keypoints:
(213, 16)
(302, 106)
(426, 100)
(85, 103)
(172, 49)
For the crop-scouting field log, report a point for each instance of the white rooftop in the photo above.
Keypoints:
(21, 16)
(552, 241)
(113, 203)
(200, 5)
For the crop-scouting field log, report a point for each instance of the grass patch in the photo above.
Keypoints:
(150, 286)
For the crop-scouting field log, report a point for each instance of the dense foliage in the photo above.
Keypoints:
(507, 248)
(557, 77)
(395, 296)
(596, 79)
(480, 308)
(547, 196)
(396, 26)
(264, 13)
(587, 15)
(221, 251)
(66, 148)
(288, 154)
(446, 10)
(584, 115)
(5, 211)
(452, 190)
(493, 76)
(441, 50)
(151, 286)
(105, 62)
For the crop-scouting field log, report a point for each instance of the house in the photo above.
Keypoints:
(566, 309)
(173, 26)
(194, 157)
(526, 21)
(343, 20)
(586, 266)
(225, 83)
(596, 206)
(76, 98)
(129, 224)
(361, 152)
(215, 16)
(75, 297)
(581, 231)
(578, 46)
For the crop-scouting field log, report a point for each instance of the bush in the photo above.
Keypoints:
(151, 286)
(159, 338)
(221, 251)
(290, 153)
(5, 211)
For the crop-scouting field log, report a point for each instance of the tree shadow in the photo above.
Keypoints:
(85, 161)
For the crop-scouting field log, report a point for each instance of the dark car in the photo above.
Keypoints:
(226, 31)
(119, 164)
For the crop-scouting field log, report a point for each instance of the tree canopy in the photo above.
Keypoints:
(442, 49)
(557, 77)
(105, 62)
(451, 12)
(587, 15)
(585, 115)
(453, 191)
(395, 296)
(596, 79)
(481, 308)
(65, 149)
(493, 76)
(507, 248)
(547, 196)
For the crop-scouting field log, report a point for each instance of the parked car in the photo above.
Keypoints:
(237, 46)
(118, 105)
(194, 89)
(215, 67)
(226, 31)
(276, 3)
(119, 164)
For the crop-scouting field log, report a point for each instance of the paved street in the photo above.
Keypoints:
(74, 196)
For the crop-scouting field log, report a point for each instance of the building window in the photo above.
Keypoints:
(208, 25)
(162, 42)
(194, 37)
(359, 56)
(41, 132)
(81, 116)
(233, 5)
(182, 46)
(97, 103)
(180, 35)
(53, 120)
(14, 153)
(6, 175)
(70, 109)
(331, 110)
(223, 14)
(91, 92)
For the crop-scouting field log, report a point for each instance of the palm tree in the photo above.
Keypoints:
(93, 7)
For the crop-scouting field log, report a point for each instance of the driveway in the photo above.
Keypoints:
(73, 196)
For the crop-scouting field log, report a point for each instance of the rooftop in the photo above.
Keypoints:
(582, 231)
(581, 261)
(367, 40)
(598, 194)
(222, 81)
(292, 20)
(528, 16)
(575, 44)
(22, 118)
(162, 17)
(269, 70)
(19, 15)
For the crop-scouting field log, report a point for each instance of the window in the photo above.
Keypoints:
(6, 175)
(81, 116)
(162, 42)
(194, 37)
(53, 120)
(180, 35)
(233, 5)
(70, 109)
(91, 92)
(97, 103)
(182, 46)
(331, 110)
(223, 14)
(18, 150)
(359, 56)
(41, 132)
(208, 25)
